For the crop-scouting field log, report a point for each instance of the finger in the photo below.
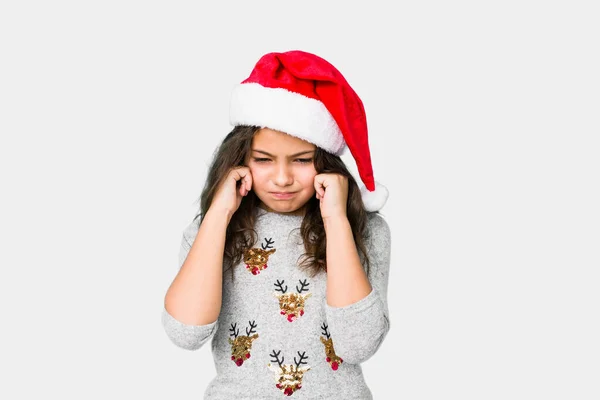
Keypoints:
(319, 185)
(238, 173)
(249, 181)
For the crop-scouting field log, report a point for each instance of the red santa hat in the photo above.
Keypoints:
(305, 96)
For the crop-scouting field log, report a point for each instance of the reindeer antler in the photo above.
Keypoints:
(302, 358)
(276, 355)
(304, 284)
(234, 332)
(252, 326)
(325, 332)
(268, 245)
(280, 284)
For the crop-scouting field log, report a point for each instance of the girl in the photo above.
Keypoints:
(286, 264)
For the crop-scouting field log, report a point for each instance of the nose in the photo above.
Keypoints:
(283, 175)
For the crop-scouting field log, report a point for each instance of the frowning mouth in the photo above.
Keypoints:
(283, 195)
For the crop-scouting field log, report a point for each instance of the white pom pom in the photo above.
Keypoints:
(376, 199)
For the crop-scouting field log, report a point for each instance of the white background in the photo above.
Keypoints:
(484, 125)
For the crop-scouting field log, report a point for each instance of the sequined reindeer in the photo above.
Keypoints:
(330, 355)
(289, 376)
(256, 259)
(241, 345)
(292, 304)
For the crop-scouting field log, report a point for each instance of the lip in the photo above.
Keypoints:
(283, 195)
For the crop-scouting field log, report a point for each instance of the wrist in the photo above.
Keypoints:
(219, 214)
(335, 221)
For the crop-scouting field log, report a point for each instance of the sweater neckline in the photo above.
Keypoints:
(264, 213)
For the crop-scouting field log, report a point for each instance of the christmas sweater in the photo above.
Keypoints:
(276, 335)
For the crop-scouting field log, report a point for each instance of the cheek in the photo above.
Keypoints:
(308, 179)
(258, 176)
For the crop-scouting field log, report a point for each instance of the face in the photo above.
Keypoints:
(283, 172)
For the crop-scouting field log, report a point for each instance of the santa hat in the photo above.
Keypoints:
(305, 96)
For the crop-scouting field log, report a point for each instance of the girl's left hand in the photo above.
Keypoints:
(332, 191)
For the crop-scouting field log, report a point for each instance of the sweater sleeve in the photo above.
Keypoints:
(358, 329)
(188, 337)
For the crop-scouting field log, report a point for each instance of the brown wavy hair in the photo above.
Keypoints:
(240, 234)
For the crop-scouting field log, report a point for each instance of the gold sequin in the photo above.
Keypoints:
(288, 377)
(291, 305)
(330, 356)
(241, 345)
(256, 258)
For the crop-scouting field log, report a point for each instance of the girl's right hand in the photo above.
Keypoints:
(236, 185)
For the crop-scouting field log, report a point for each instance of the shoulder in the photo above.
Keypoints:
(379, 230)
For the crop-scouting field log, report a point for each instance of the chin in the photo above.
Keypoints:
(280, 206)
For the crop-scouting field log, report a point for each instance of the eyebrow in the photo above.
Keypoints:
(293, 155)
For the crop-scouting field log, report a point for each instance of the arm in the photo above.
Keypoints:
(193, 301)
(356, 307)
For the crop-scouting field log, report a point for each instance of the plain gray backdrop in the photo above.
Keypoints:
(483, 121)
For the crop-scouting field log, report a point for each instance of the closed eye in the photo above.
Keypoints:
(301, 160)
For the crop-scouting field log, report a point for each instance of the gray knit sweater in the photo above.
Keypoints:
(276, 335)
